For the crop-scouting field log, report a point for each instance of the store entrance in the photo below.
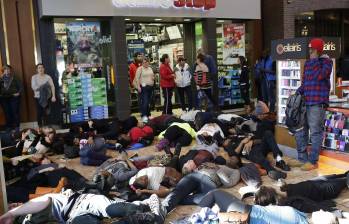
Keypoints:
(153, 40)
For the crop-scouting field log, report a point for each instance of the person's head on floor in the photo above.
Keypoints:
(49, 132)
(124, 140)
(324, 217)
(138, 57)
(188, 167)
(141, 182)
(234, 162)
(165, 59)
(266, 196)
(146, 62)
(250, 108)
(6, 70)
(181, 61)
(206, 139)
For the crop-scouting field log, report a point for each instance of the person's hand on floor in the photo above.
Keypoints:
(248, 147)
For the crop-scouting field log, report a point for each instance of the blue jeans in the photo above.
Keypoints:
(314, 123)
(146, 95)
(10, 106)
(196, 183)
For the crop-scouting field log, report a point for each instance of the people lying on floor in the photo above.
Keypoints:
(256, 150)
(93, 151)
(70, 207)
(180, 134)
(307, 195)
(162, 122)
(155, 180)
(115, 173)
(138, 137)
(232, 210)
(47, 175)
(35, 142)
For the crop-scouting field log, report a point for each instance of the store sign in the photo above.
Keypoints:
(294, 47)
(105, 40)
(166, 4)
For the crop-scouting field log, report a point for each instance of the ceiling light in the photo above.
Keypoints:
(187, 20)
(127, 19)
(309, 17)
(79, 19)
(158, 19)
(220, 21)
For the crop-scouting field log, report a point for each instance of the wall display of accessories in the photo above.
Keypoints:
(336, 136)
(87, 99)
(289, 79)
(229, 96)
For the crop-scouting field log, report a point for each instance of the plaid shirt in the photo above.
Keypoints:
(316, 84)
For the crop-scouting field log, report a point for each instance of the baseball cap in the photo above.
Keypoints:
(317, 44)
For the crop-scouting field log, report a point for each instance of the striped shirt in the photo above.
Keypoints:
(316, 84)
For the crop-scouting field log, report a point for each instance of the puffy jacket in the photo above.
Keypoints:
(183, 75)
(295, 113)
(166, 78)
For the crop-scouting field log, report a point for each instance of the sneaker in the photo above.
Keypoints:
(145, 119)
(282, 165)
(309, 166)
(156, 207)
(276, 175)
(146, 217)
(162, 144)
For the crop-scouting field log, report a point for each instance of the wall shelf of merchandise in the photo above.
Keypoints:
(228, 78)
(336, 135)
(87, 98)
(289, 78)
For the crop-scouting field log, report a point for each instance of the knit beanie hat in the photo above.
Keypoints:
(317, 44)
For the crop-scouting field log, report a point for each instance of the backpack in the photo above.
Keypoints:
(295, 113)
(71, 152)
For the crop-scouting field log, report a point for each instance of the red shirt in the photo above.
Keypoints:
(137, 133)
(132, 71)
(166, 78)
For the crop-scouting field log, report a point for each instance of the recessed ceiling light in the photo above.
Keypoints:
(127, 19)
(220, 21)
(309, 17)
(187, 20)
(157, 19)
(79, 19)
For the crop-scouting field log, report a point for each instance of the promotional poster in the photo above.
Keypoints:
(233, 42)
(134, 46)
(83, 43)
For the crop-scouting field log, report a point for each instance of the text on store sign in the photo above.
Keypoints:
(200, 4)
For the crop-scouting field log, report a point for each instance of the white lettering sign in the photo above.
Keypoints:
(330, 46)
(143, 3)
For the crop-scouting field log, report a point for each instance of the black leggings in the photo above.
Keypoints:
(225, 201)
(175, 134)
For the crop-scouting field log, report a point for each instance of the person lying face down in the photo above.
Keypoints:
(155, 180)
(307, 196)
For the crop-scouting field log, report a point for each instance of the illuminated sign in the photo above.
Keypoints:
(199, 4)
(330, 46)
(294, 47)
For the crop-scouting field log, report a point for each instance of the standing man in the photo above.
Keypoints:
(137, 62)
(268, 80)
(315, 88)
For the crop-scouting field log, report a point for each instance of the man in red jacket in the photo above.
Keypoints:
(137, 61)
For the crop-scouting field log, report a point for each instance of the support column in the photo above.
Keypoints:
(119, 60)
(189, 43)
(46, 33)
(209, 27)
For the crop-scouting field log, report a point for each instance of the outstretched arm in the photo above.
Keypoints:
(33, 206)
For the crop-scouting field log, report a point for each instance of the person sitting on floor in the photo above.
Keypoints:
(75, 208)
(155, 180)
(306, 196)
(177, 134)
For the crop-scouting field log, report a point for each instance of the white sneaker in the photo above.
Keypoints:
(155, 206)
(145, 119)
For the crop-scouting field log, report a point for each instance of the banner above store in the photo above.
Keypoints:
(199, 4)
(298, 48)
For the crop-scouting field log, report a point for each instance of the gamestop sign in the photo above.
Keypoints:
(198, 4)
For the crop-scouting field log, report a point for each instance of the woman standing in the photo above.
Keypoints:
(10, 90)
(144, 82)
(167, 83)
(183, 83)
(202, 79)
(244, 81)
(44, 92)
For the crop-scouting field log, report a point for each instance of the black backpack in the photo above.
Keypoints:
(295, 113)
(71, 152)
